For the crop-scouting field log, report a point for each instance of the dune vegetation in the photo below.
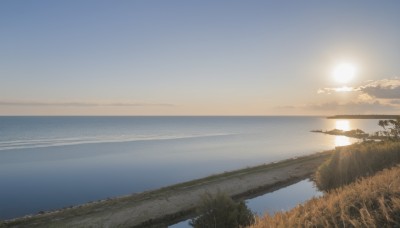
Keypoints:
(362, 159)
(355, 161)
(358, 192)
(369, 202)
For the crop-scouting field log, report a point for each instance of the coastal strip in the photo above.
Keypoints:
(165, 206)
(364, 117)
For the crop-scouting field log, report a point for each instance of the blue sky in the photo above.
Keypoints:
(197, 57)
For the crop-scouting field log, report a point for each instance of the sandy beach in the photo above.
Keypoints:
(162, 207)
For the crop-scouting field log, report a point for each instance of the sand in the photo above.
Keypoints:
(164, 206)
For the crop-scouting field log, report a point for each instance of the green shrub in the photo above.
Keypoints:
(221, 211)
(358, 160)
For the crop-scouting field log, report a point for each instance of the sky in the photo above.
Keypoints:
(198, 57)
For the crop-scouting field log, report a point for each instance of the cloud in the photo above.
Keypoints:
(355, 107)
(337, 89)
(359, 107)
(287, 107)
(83, 104)
(379, 89)
(382, 89)
(372, 97)
(395, 102)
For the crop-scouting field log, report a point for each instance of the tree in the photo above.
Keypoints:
(391, 129)
(221, 211)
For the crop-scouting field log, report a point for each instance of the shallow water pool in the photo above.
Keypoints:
(280, 200)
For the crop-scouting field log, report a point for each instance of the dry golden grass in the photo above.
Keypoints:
(369, 202)
(355, 161)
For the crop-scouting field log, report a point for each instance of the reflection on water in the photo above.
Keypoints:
(343, 125)
(342, 140)
(285, 198)
(280, 200)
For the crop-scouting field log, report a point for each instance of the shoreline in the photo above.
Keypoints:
(357, 134)
(175, 203)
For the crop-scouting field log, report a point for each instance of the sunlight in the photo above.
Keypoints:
(344, 72)
(344, 89)
(343, 125)
(341, 140)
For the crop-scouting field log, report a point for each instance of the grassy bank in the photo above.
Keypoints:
(370, 202)
(358, 160)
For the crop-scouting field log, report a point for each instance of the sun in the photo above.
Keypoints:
(344, 72)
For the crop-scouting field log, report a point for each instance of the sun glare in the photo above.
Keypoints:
(343, 125)
(344, 72)
(341, 140)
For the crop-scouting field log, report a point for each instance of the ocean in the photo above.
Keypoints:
(54, 162)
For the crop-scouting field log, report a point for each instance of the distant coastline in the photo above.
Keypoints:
(364, 117)
(358, 134)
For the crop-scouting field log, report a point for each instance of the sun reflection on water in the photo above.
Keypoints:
(343, 125)
(342, 140)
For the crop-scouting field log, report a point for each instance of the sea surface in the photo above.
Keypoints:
(53, 162)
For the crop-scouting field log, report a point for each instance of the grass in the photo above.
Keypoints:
(369, 202)
(355, 161)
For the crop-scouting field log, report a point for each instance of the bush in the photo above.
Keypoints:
(358, 160)
(221, 211)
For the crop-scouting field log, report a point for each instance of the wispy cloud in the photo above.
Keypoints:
(395, 102)
(338, 89)
(374, 96)
(353, 107)
(379, 89)
(83, 104)
(360, 107)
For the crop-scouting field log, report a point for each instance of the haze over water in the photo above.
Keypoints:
(53, 162)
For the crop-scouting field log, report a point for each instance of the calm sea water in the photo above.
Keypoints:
(53, 162)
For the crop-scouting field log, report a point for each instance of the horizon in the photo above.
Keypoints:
(177, 58)
(166, 116)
